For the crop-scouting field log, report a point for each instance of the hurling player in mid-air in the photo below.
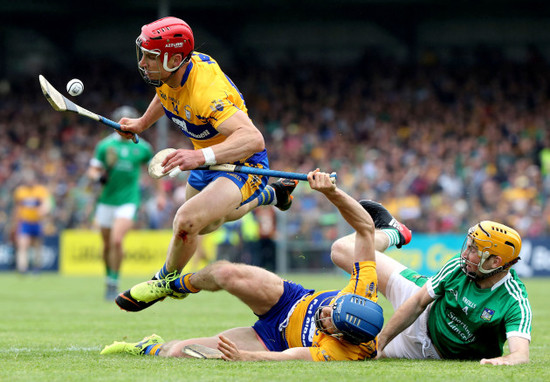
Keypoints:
(207, 107)
(293, 322)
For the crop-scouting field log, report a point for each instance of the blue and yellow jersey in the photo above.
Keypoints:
(205, 99)
(28, 200)
(301, 330)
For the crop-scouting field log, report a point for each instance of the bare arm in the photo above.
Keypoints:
(138, 125)
(94, 173)
(243, 140)
(351, 211)
(404, 316)
(232, 353)
(46, 205)
(519, 353)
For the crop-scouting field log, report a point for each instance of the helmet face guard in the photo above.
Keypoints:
(327, 302)
(146, 74)
(164, 38)
(488, 239)
(355, 318)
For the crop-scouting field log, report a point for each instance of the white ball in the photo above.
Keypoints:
(75, 87)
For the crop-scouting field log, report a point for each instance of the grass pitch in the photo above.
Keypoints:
(53, 327)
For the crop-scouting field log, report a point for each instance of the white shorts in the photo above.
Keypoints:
(414, 342)
(105, 215)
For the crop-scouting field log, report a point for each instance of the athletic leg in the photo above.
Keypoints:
(121, 226)
(22, 254)
(36, 254)
(209, 206)
(342, 249)
(105, 238)
(277, 194)
(245, 338)
(342, 255)
(256, 287)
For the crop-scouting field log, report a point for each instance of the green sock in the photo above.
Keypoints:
(112, 275)
(393, 236)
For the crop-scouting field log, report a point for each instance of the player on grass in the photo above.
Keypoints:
(466, 311)
(207, 107)
(117, 164)
(294, 322)
(32, 204)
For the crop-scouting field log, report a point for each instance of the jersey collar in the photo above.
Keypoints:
(501, 281)
(186, 74)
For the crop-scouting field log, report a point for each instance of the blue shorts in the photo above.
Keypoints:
(250, 185)
(268, 325)
(32, 229)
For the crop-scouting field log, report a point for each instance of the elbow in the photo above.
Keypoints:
(367, 228)
(257, 142)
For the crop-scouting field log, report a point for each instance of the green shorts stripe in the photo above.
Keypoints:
(414, 277)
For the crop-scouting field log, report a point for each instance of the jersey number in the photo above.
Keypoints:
(205, 58)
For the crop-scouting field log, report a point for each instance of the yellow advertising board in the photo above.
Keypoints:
(81, 252)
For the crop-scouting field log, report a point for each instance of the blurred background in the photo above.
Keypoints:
(439, 110)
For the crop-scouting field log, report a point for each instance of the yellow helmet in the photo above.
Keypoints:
(492, 238)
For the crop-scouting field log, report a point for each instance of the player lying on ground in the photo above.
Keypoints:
(294, 322)
(466, 311)
(195, 94)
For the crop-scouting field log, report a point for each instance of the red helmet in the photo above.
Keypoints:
(166, 37)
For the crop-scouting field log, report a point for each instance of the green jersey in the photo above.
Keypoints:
(122, 159)
(467, 322)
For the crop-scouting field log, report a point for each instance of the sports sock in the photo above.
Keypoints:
(183, 285)
(162, 273)
(152, 349)
(267, 196)
(393, 236)
(112, 275)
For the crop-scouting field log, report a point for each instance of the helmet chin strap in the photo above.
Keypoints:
(173, 70)
(486, 274)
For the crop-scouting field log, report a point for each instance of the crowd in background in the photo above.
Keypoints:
(442, 146)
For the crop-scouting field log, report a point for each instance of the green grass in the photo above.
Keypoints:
(52, 328)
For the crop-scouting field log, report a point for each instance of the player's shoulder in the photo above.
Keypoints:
(205, 70)
(514, 286)
(199, 58)
(20, 190)
(450, 269)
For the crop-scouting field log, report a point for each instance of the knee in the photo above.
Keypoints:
(226, 274)
(340, 255)
(187, 223)
(116, 243)
(337, 250)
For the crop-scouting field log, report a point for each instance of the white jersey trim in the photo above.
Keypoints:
(94, 162)
(501, 281)
(518, 334)
(526, 315)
